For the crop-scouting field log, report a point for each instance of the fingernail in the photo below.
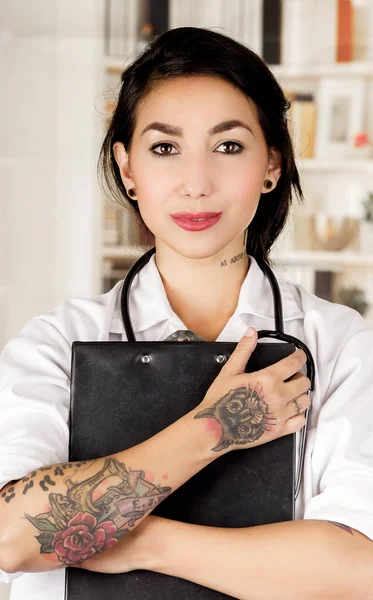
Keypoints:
(250, 332)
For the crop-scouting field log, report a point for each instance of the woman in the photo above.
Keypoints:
(200, 128)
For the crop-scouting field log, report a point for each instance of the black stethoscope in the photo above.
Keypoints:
(278, 334)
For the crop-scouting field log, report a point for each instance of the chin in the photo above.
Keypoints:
(196, 249)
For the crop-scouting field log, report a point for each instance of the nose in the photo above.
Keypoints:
(196, 180)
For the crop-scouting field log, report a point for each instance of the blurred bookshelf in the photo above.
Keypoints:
(330, 89)
(315, 71)
(317, 258)
(325, 260)
(357, 166)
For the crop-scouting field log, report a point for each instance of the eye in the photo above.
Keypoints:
(230, 146)
(234, 406)
(163, 146)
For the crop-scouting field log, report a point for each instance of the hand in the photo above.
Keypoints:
(131, 552)
(255, 408)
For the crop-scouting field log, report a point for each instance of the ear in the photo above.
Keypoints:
(122, 159)
(274, 168)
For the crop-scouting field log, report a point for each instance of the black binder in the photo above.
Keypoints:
(112, 389)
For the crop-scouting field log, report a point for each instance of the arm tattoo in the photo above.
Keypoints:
(243, 415)
(345, 527)
(94, 515)
(46, 480)
(10, 492)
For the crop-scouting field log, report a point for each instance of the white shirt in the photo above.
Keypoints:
(337, 480)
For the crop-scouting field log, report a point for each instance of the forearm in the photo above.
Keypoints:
(298, 560)
(41, 511)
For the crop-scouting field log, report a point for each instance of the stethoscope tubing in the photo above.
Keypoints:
(277, 334)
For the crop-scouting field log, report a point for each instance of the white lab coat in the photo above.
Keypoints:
(337, 480)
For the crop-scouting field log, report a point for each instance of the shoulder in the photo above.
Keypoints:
(337, 335)
(43, 346)
(322, 314)
(45, 341)
(83, 319)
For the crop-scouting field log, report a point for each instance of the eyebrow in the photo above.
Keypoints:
(177, 131)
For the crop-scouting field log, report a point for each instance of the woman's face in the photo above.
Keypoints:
(197, 146)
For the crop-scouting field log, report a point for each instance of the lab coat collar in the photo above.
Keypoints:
(149, 303)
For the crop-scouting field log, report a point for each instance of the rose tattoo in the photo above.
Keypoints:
(83, 538)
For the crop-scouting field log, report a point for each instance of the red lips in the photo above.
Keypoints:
(200, 215)
(196, 222)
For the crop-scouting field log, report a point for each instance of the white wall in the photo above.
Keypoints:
(4, 591)
(50, 73)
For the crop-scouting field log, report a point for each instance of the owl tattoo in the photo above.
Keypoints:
(243, 415)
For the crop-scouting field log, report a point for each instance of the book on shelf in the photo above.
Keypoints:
(290, 32)
(240, 19)
(326, 31)
(120, 27)
(271, 32)
(112, 226)
(308, 32)
(345, 42)
(132, 24)
(302, 123)
(324, 284)
(113, 272)
(363, 31)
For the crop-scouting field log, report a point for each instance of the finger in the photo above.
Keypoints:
(298, 405)
(288, 366)
(294, 424)
(237, 361)
(299, 384)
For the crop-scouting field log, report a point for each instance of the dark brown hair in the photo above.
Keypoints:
(188, 51)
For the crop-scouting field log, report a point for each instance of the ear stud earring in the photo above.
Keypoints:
(131, 192)
(268, 184)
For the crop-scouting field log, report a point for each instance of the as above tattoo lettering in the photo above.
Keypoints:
(233, 259)
(236, 258)
(93, 515)
(243, 415)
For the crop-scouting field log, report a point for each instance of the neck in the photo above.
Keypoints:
(203, 292)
